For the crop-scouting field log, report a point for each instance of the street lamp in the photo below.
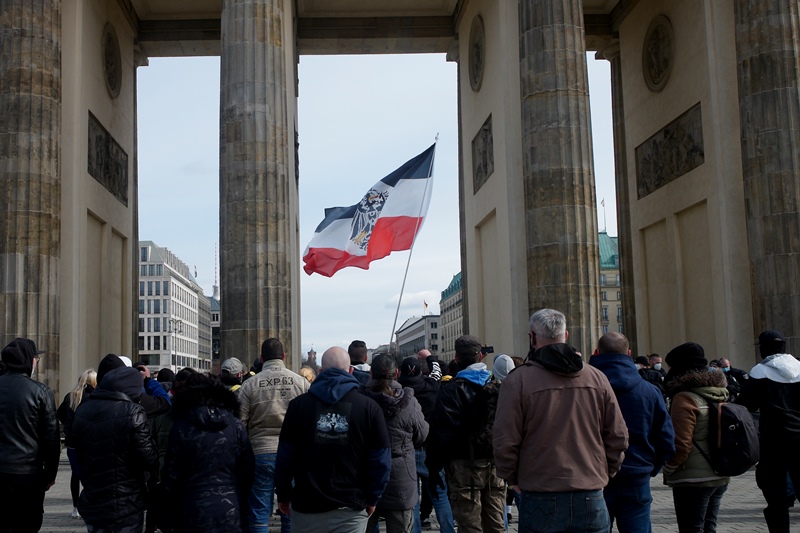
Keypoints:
(175, 326)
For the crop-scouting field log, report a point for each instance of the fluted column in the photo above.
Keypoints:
(30, 178)
(560, 210)
(767, 40)
(255, 234)
(611, 53)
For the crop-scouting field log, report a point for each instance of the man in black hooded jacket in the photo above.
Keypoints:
(29, 439)
(115, 449)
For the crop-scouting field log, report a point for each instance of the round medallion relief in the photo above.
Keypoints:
(657, 53)
(477, 53)
(112, 62)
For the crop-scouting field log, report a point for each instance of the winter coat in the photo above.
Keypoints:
(334, 447)
(66, 415)
(453, 424)
(114, 448)
(209, 464)
(774, 389)
(690, 393)
(29, 429)
(651, 438)
(407, 430)
(558, 426)
(264, 399)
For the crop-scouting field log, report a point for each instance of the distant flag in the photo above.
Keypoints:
(386, 220)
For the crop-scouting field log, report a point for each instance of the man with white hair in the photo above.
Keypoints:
(559, 435)
(334, 456)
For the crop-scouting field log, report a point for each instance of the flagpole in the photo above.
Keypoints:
(414, 240)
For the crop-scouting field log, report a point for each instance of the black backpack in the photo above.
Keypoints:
(733, 439)
(483, 422)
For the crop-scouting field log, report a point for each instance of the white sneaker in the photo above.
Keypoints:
(75, 513)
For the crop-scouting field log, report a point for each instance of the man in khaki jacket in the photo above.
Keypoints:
(559, 435)
(264, 399)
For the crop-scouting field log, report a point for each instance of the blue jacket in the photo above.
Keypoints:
(650, 432)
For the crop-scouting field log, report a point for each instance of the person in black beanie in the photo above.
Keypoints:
(696, 489)
(156, 401)
(115, 449)
(29, 439)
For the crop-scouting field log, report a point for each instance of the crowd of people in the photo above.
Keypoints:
(573, 442)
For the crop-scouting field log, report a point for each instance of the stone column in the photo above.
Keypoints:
(255, 225)
(767, 40)
(30, 177)
(611, 53)
(560, 209)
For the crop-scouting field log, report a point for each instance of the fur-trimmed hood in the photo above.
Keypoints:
(390, 404)
(207, 407)
(709, 384)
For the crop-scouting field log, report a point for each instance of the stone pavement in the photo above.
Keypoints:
(740, 511)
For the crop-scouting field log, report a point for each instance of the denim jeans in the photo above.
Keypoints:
(580, 511)
(630, 506)
(441, 503)
(696, 508)
(262, 495)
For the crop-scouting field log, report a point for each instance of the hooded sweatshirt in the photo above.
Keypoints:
(503, 365)
(774, 390)
(651, 437)
(334, 446)
(558, 426)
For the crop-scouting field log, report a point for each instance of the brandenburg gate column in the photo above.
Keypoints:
(612, 54)
(560, 209)
(767, 40)
(30, 177)
(256, 226)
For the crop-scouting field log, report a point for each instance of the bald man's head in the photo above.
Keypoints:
(336, 357)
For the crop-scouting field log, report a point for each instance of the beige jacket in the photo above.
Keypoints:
(264, 399)
(558, 432)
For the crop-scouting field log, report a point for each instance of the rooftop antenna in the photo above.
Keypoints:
(215, 286)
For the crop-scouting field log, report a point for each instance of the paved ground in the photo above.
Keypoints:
(740, 512)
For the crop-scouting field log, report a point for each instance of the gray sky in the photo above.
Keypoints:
(360, 117)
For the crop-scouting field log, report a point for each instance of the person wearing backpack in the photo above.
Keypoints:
(696, 489)
(774, 390)
(460, 442)
(651, 439)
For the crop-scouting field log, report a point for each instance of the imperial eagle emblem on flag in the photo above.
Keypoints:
(385, 220)
(365, 217)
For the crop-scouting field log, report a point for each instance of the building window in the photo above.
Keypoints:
(166, 288)
(149, 329)
(605, 314)
(151, 270)
(434, 336)
(143, 270)
(158, 289)
(165, 307)
(435, 347)
(148, 342)
(141, 343)
(156, 343)
(159, 270)
(434, 325)
(603, 295)
(141, 288)
(143, 254)
(617, 279)
(602, 279)
(619, 295)
(149, 307)
(141, 306)
(141, 327)
(619, 312)
(620, 328)
(150, 288)
(605, 328)
(157, 307)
